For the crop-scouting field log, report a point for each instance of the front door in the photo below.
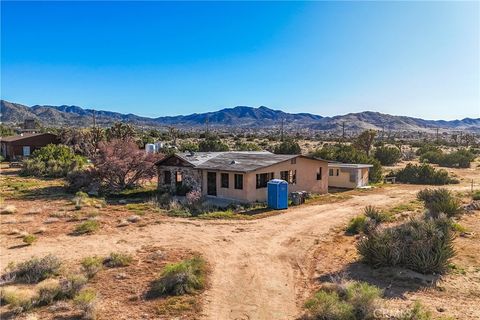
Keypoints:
(212, 183)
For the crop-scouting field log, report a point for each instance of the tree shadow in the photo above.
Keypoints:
(45, 193)
(396, 282)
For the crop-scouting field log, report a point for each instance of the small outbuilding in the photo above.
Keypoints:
(15, 148)
(348, 175)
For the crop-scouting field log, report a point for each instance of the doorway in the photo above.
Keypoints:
(212, 183)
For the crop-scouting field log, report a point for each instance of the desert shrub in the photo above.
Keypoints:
(212, 144)
(417, 312)
(476, 195)
(36, 269)
(376, 215)
(456, 159)
(439, 201)
(81, 180)
(344, 300)
(367, 221)
(356, 225)
(89, 226)
(425, 246)
(388, 156)
(91, 265)
(180, 278)
(49, 290)
(118, 259)
(86, 300)
(287, 147)
(19, 300)
(424, 148)
(29, 239)
(247, 146)
(329, 306)
(188, 146)
(363, 298)
(52, 161)
(71, 285)
(423, 174)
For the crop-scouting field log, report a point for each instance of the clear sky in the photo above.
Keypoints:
(159, 58)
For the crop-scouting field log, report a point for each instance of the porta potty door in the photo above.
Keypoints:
(272, 195)
(283, 195)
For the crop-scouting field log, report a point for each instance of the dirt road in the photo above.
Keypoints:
(260, 267)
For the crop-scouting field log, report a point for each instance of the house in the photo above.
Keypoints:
(16, 147)
(347, 175)
(241, 176)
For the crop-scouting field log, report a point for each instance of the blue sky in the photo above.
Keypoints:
(160, 58)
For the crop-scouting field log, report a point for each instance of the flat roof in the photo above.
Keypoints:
(349, 165)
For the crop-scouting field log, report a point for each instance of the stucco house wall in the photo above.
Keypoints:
(342, 180)
(306, 180)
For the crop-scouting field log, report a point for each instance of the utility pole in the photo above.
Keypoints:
(206, 126)
(94, 119)
(343, 130)
(281, 130)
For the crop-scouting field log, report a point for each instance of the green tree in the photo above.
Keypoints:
(53, 161)
(387, 155)
(287, 147)
(121, 131)
(365, 140)
(247, 146)
(212, 144)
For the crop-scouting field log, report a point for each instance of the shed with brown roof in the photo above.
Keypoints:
(17, 147)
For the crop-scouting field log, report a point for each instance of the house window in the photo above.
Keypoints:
(319, 174)
(167, 177)
(330, 172)
(263, 178)
(239, 181)
(224, 178)
(178, 177)
(338, 172)
(290, 176)
(293, 161)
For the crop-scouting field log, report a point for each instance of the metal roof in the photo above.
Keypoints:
(241, 161)
(23, 136)
(349, 165)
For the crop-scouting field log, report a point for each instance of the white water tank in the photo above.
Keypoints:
(150, 148)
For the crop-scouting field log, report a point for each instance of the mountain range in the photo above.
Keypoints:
(240, 117)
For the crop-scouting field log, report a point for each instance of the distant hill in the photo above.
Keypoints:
(238, 117)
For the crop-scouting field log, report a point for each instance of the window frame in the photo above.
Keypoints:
(319, 173)
(262, 179)
(238, 181)
(222, 180)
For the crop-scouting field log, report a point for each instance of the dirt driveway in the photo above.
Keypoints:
(261, 268)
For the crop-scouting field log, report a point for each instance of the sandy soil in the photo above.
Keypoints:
(261, 269)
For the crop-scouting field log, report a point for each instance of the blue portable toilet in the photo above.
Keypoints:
(277, 194)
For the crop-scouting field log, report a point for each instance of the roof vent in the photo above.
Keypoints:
(233, 162)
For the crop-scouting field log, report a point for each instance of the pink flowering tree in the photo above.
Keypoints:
(120, 164)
